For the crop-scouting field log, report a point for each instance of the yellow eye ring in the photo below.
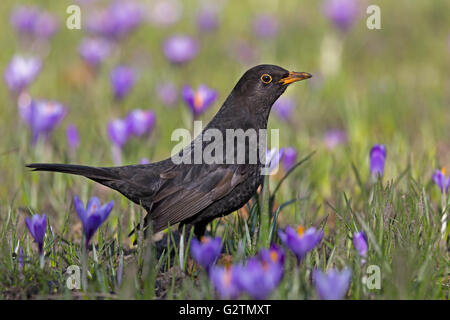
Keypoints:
(266, 78)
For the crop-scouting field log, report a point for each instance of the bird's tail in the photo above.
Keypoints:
(97, 174)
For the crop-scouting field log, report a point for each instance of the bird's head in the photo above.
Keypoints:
(265, 83)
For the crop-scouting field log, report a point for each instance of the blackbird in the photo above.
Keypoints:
(193, 194)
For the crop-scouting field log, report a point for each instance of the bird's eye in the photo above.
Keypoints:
(266, 78)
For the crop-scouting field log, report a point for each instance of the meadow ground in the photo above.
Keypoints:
(389, 86)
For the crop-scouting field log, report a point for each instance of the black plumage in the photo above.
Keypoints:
(195, 194)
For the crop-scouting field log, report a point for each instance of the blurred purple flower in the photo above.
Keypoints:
(334, 137)
(46, 26)
(73, 138)
(122, 80)
(120, 272)
(141, 122)
(144, 161)
(116, 21)
(21, 72)
(290, 158)
(377, 159)
(41, 116)
(360, 243)
(21, 259)
(300, 241)
(23, 19)
(180, 49)
(207, 19)
(259, 278)
(198, 100)
(265, 26)
(119, 132)
(332, 285)
(243, 51)
(32, 21)
(284, 107)
(94, 50)
(165, 12)
(167, 93)
(342, 13)
(225, 281)
(37, 227)
(93, 216)
(207, 251)
(441, 180)
(273, 157)
(272, 255)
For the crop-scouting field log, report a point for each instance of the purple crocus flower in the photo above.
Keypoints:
(37, 226)
(207, 19)
(180, 49)
(332, 285)
(441, 180)
(273, 158)
(226, 281)
(144, 161)
(122, 79)
(300, 241)
(259, 278)
(165, 12)
(290, 158)
(127, 15)
(141, 122)
(199, 100)
(342, 13)
(265, 26)
(377, 159)
(207, 251)
(73, 138)
(94, 50)
(21, 259)
(360, 243)
(167, 93)
(334, 137)
(116, 21)
(23, 19)
(272, 255)
(119, 132)
(46, 26)
(284, 107)
(41, 116)
(92, 216)
(21, 72)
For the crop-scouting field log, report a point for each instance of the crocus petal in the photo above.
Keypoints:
(93, 221)
(377, 159)
(441, 180)
(79, 208)
(93, 205)
(106, 209)
(360, 243)
(332, 285)
(30, 226)
(226, 281)
(206, 253)
(300, 245)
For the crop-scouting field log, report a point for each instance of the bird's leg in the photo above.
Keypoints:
(200, 229)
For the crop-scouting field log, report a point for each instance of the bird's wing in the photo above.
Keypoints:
(185, 193)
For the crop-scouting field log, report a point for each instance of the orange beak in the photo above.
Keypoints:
(295, 76)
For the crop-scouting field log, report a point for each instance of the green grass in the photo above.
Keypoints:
(391, 88)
